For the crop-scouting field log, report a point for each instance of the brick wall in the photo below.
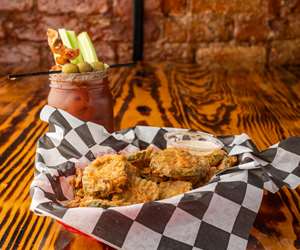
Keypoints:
(217, 33)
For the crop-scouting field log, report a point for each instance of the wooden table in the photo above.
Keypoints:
(264, 105)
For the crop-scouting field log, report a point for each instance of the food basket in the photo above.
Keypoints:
(218, 215)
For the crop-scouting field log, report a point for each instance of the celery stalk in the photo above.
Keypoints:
(69, 40)
(87, 48)
(64, 38)
(74, 43)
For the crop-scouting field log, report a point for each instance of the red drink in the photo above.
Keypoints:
(84, 95)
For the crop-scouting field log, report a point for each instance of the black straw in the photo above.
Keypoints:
(15, 76)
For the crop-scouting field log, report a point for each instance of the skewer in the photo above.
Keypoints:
(117, 65)
(15, 76)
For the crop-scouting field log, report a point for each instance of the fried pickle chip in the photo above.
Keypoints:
(171, 188)
(79, 193)
(215, 157)
(92, 202)
(78, 179)
(74, 203)
(152, 177)
(143, 176)
(227, 162)
(53, 37)
(62, 54)
(132, 171)
(138, 191)
(140, 155)
(192, 179)
(104, 176)
(141, 159)
(76, 183)
(176, 163)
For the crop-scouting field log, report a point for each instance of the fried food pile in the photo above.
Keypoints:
(146, 175)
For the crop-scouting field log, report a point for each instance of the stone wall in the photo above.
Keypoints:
(217, 33)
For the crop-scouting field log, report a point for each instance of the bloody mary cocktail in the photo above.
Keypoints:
(84, 95)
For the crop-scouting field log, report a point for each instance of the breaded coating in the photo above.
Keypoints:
(144, 176)
(140, 155)
(192, 179)
(104, 176)
(215, 157)
(138, 191)
(141, 159)
(76, 180)
(227, 162)
(132, 171)
(92, 202)
(74, 203)
(232, 161)
(176, 163)
(171, 188)
(79, 192)
(155, 178)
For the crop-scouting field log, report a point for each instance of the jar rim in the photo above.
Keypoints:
(78, 77)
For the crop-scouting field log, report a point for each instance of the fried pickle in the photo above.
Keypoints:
(227, 162)
(192, 179)
(78, 178)
(92, 202)
(132, 171)
(104, 176)
(76, 183)
(215, 157)
(74, 203)
(141, 159)
(154, 178)
(138, 190)
(62, 54)
(176, 163)
(143, 176)
(171, 188)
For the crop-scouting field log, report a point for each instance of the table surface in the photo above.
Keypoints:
(266, 106)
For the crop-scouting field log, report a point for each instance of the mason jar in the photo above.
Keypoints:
(84, 95)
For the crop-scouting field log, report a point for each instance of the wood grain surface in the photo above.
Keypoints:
(265, 106)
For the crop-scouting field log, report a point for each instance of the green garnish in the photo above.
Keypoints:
(87, 48)
(84, 67)
(64, 37)
(98, 66)
(70, 68)
(74, 42)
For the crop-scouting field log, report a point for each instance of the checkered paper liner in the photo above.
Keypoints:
(218, 215)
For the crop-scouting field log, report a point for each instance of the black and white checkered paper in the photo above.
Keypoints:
(216, 216)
